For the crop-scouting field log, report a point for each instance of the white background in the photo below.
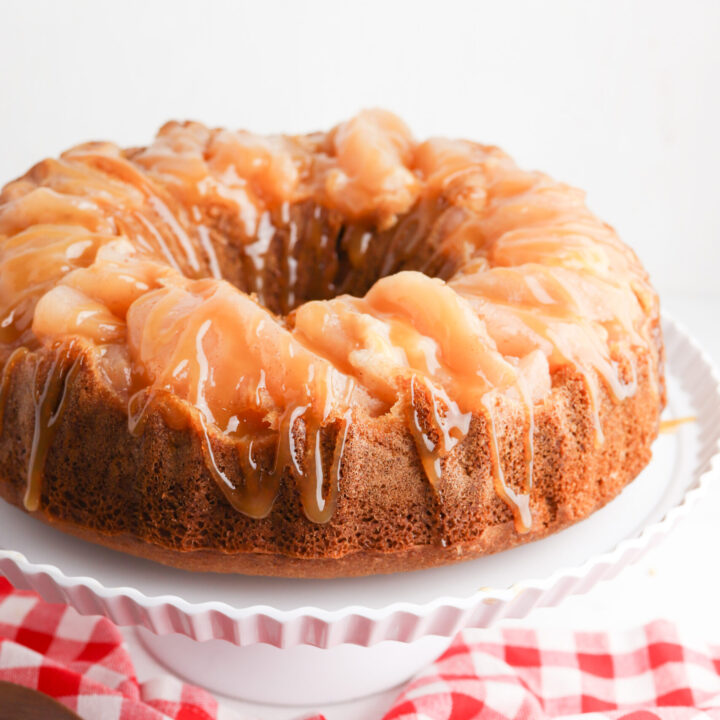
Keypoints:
(619, 97)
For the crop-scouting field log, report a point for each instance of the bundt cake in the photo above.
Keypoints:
(321, 355)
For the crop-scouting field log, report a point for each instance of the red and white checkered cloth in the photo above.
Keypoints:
(83, 663)
(647, 673)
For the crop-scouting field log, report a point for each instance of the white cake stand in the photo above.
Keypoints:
(296, 642)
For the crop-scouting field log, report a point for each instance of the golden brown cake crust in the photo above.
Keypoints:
(152, 495)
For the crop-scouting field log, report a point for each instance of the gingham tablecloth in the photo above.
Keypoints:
(641, 674)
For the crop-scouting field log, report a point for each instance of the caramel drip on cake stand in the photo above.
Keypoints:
(49, 399)
(670, 426)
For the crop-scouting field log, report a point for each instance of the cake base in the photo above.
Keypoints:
(152, 495)
(494, 539)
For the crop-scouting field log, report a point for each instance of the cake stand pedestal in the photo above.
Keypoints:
(334, 640)
(301, 675)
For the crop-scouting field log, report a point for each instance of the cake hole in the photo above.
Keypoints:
(308, 252)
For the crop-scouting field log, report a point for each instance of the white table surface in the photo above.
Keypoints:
(678, 580)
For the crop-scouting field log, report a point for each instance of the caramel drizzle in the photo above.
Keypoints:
(204, 236)
(164, 224)
(526, 523)
(255, 496)
(319, 508)
(619, 390)
(138, 408)
(519, 503)
(451, 427)
(49, 401)
(291, 263)
(17, 356)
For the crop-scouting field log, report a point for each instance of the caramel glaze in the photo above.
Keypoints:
(49, 393)
(317, 487)
(670, 426)
(16, 357)
(280, 285)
